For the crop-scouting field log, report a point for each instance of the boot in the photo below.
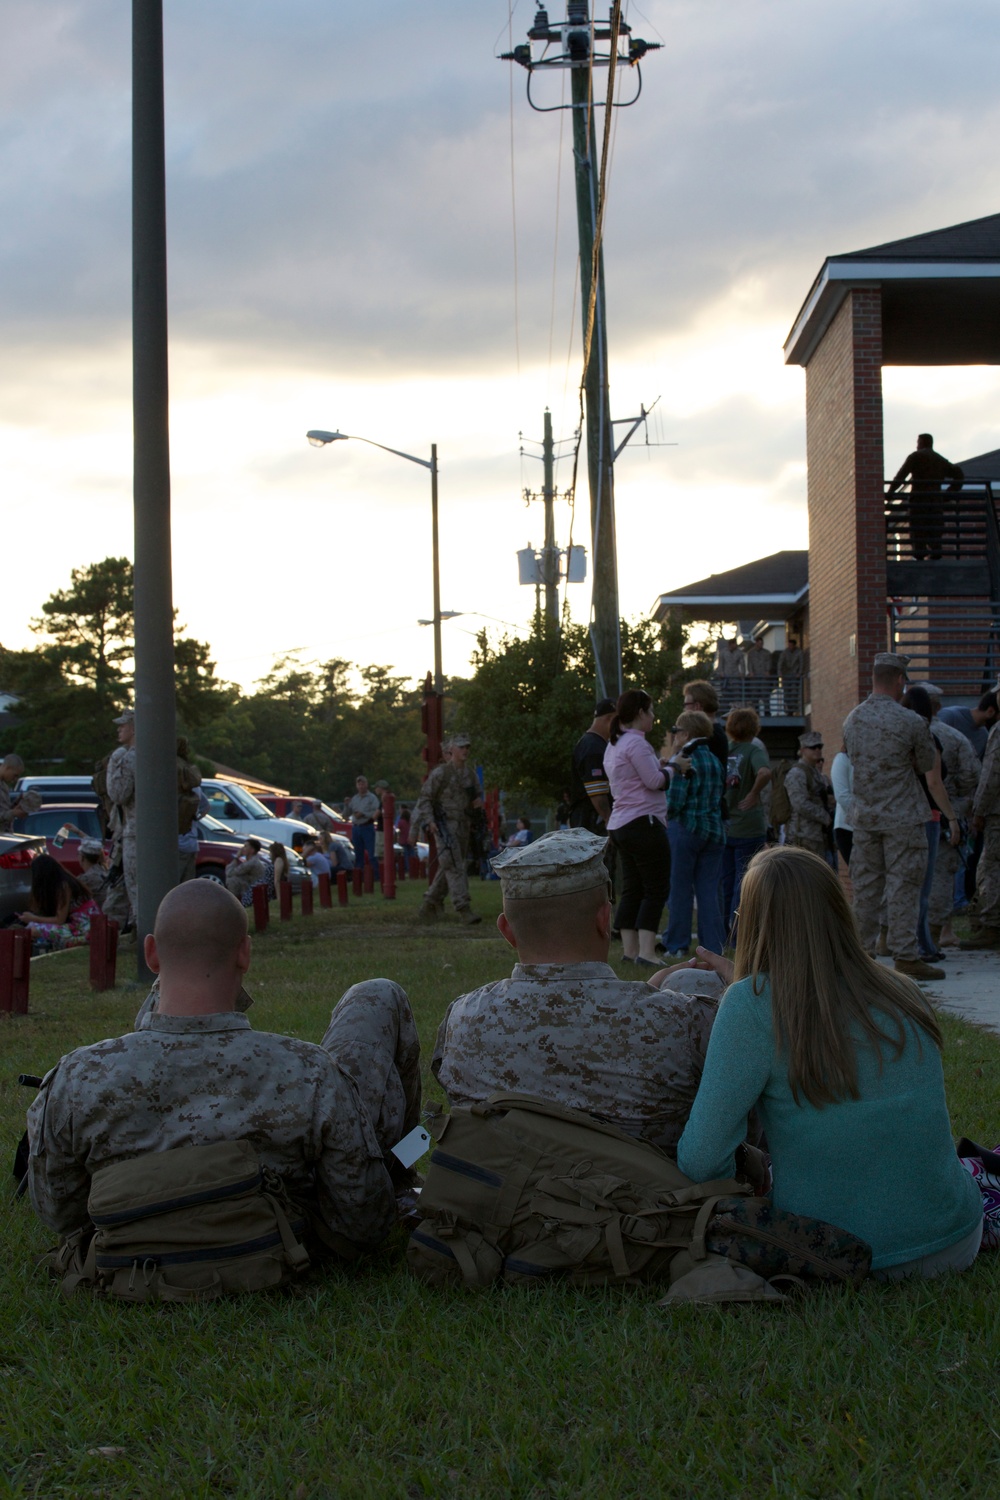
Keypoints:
(429, 912)
(916, 968)
(469, 917)
(882, 946)
(982, 937)
(935, 931)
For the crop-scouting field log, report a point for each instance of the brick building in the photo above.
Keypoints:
(932, 299)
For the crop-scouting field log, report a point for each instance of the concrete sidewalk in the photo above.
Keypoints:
(971, 988)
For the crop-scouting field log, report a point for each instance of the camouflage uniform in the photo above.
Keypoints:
(121, 790)
(243, 874)
(372, 1037)
(577, 1035)
(448, 793)
(810, 819)
(986, 805)
(962, 765)
(195, 1080)
(888, 746)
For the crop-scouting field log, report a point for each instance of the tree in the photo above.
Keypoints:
(531, 697)
(80, 677)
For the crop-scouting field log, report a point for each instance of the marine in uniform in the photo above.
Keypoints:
(808, 790)
(564, 1026)
(194, 1073)
(11, 767)
(890, 748)
(121, 790)
(960, 766)
(986, 820)
(444, 808)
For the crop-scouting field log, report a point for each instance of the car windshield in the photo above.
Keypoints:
(247, 804)
(49, 820)
(214, 825)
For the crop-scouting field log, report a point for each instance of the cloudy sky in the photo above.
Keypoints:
(369, 229)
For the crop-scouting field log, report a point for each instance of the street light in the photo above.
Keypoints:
(320, 438)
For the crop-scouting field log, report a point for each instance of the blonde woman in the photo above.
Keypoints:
(842, 1060)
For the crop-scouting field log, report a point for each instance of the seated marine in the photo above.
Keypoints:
(194, 1073)
(564, 1026)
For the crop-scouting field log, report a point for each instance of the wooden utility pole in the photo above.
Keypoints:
(605, 630)
(550, 552)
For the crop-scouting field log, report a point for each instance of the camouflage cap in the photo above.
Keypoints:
(128, 717)
(92, 848)
(557, 864)
(811, 740)
(459, 738)
(891, 659)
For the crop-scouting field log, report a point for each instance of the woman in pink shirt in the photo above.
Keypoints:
(638, 826)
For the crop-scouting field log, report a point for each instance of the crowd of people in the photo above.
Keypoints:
(911, 807)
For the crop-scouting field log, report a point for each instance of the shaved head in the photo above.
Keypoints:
(199, 927)
(557, 929)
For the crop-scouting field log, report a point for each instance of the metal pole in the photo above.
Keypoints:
(435, 563)
(550, 566)
(605, 631)
(155, 717)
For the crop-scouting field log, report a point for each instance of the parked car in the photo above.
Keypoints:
(282, 808)
(217, 844)
(240, 810)
(16, 853)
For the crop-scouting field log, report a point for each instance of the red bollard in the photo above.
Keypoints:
(285, 900)
(15, 970)
(369, 876)
(414, 867)
(325, 898)
(261, 914)
(307, 898)
(103, 952)
(356, 880)
(342, 887)
(387, 869)
(400, 867)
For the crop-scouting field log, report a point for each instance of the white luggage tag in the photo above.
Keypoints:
(412, 1147)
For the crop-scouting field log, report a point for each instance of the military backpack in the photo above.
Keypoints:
(520, 1191)
(188, 1224)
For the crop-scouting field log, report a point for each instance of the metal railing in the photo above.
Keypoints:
(952, 642)
(937, 525)
(774, 697)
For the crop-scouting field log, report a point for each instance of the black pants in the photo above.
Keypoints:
(644, 855)
(844, 839)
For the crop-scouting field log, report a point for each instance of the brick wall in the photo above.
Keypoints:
(847, 590)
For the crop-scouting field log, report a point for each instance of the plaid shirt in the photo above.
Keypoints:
(696, 799)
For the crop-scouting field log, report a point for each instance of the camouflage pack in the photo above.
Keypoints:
(189, 1224)
(522, 1191)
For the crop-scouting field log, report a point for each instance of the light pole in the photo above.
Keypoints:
(320, 439)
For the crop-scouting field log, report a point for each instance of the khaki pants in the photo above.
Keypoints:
(891, 864)
(451, 876)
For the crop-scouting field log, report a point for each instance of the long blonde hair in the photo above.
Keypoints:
(797, 931)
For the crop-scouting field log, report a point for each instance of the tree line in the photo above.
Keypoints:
(312, 727)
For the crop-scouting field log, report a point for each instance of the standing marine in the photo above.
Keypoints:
(444, 808)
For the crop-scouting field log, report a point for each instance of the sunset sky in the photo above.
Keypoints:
(342, 203)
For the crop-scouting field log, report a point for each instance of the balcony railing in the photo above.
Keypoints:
(773, 697)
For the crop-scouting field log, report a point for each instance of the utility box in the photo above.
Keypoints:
(576, 564)
(529, 567)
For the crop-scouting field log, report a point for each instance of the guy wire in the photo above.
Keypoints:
(513, 193)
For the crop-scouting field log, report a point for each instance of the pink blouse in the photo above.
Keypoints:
(636, 779)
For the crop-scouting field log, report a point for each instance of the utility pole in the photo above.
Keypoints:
(550, 552)
(572, 44)
(605, 630)
(155, 720)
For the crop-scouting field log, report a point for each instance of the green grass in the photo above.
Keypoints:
(367, 1384)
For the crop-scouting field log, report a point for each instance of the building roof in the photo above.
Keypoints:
(940, 296)
(985, 466)
(775, 585)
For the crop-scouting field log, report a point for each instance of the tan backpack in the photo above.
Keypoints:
(520, 1190)
(189, 1224)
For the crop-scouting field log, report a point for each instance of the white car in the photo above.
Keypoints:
(233, 805)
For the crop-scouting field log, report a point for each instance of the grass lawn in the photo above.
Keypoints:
(367, 1384)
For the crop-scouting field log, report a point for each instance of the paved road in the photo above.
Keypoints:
(971, 988)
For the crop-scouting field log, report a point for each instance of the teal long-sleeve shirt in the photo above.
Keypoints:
(882, 1166)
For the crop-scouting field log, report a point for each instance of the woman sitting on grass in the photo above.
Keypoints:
(61, 908)
(841, 1059)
